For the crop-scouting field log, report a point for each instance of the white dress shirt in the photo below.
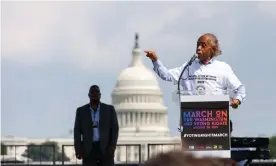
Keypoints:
(213, 76)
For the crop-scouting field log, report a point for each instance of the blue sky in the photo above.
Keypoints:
(52, 52)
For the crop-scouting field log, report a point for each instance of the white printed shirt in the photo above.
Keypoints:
(214, 76)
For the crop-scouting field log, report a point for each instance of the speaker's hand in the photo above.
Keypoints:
(151, 54)
(235, 103)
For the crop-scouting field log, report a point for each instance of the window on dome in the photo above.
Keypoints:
(123, 119)
(131, 117)
(129, 99)
(158, 117)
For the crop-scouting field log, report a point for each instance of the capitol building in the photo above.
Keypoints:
(142, 117)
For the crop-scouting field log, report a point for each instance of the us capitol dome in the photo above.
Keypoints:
(142, 116)
(138, 99)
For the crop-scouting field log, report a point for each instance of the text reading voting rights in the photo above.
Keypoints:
(205, 119)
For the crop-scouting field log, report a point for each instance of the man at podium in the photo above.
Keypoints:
(205, 73)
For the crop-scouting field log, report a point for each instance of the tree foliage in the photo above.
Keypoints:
(3, 149)
(272, 147)
(47, 151)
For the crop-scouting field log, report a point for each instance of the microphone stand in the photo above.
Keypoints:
(178, 84)
(184, 69)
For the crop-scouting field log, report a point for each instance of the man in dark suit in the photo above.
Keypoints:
(96, 131)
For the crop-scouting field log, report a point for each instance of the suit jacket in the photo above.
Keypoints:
(83, 129)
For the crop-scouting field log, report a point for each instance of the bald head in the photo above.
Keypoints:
(210, 38)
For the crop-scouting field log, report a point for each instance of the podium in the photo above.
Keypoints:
(204, 123)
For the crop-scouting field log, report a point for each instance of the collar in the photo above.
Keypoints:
(98, 107)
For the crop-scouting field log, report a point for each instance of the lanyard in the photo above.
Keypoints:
(95, 112)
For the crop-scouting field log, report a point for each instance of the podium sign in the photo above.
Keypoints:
(205, 125)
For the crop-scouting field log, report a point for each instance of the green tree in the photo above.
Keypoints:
(272, 146)
(47, 151)
(3, 149)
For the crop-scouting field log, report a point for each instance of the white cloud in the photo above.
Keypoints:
(34, 33)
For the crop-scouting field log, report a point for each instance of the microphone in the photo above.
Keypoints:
(194, 57)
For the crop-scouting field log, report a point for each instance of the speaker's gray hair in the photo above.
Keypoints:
(214, 43)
